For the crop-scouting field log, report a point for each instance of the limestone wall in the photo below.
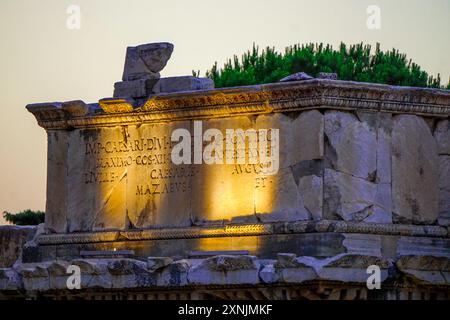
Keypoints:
(348, 151)
(12, 239)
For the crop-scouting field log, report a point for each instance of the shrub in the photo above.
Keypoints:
(26, 217)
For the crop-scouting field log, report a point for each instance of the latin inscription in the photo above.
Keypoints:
(109, 159)
(151, 156)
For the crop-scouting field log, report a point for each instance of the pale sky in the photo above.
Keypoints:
(42, 60)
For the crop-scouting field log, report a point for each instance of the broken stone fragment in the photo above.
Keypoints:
(142, 88)
(431, 269)
(287, 260)
(76, 108)
(183, 83)
(116, 105)
(139, 88)
(146, 60)
(326, 75)
(12, 238)
(351, 198)
(351, 145)
(230, 262)
(227, 269)
(155, 263)
(9, 280)
(415, 170)
(348, 267)
(311, 189)
(268, 274)
(299, 76)
(175, 274)
(126, 266)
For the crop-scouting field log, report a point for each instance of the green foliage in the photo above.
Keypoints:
(24, 218)
(355, 62)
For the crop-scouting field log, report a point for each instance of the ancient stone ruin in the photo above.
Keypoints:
(141, 76)
(363, 181)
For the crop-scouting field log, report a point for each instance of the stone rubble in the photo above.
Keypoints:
(141, 76)
(220, 270)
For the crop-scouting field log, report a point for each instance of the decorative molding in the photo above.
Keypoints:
(116, 105)
(246, 230)
(257, 99)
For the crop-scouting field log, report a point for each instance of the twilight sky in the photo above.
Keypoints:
(42, 60)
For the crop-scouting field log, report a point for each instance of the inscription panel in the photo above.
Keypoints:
(123, 177)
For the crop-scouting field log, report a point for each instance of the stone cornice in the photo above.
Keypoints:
(258, 99)
(246, 230)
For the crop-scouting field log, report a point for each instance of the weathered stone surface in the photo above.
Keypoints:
(126, 266)
(9, 281)
(57, 183)
(414, 171)
(76, 108)
(96, 198)
(155, 263)
(146, 60)
(342, 267)
(227, 263)
(355, 261)
(297, 274)
(351, 145)
(363, 244)
(349, 267)
(175, 274)
(286, 203)
(288, 260)
(116, 105)
(12, 239)
(269, 197)
(424, 262)
(299, 76)
(35, 276)
(139, 88)
(442, 136)
(426, 268)
(382, 209)
(290, 269)
(95, 273)
(420, 246)
(327, 75)
(282, 194)
(444, 190)
(268, 273)
(183, 83)
(57, 274)
(158, 192)
(91, 266)
(311, 190)
(348, 138)
(384, 152)
(351, 198)
(307, 137)
(129, 273)
(225, 269)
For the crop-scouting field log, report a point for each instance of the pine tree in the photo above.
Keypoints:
(355, 62)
